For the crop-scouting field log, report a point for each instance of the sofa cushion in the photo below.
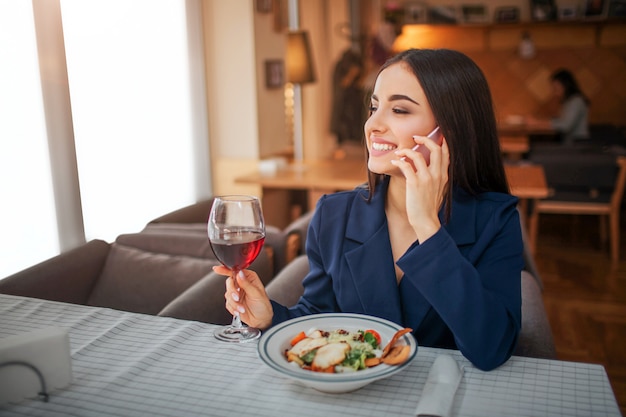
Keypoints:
(197, 229)
(192, 239)
(144, 282)
(171, 242)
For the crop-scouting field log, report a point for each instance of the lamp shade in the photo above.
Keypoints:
(299, 60)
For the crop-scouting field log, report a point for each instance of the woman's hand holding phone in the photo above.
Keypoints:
(425, 188)
(436, 136)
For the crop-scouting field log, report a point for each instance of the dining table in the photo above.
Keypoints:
(514, 147)
(128, 364)
(527, 181)
(520, 128)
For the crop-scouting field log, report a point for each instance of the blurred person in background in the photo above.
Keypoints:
(572, 123)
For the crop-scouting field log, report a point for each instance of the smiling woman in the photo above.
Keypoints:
(434, 246)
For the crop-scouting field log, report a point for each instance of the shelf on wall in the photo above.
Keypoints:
(500, 36)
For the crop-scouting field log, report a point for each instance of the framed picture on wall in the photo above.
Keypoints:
(507, 15)
(596, 9)
(617, 9)
(543, 10)
(274, 73)
(415, 13)
(264, 6)
(568, 12)
(442, 15)
(474, 13)
(281, 15)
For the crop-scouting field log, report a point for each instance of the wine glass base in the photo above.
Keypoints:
(237, 334)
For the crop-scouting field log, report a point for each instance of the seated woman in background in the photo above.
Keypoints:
(573, 120)
(435, 246)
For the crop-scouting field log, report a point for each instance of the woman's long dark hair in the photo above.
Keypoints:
(460, 99)
(569, 83)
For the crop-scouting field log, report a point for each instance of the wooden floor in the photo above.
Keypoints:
(584, 296)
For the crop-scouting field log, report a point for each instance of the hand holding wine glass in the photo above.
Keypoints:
(236, 232)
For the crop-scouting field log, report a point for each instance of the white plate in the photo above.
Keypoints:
(275, 341)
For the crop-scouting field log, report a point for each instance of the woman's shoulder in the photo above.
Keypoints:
(485, 205)
(576, 100)
(337, 208)
(486, 198)
(497, 202)
(342, 198)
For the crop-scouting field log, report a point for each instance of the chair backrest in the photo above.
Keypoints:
(535, 339)
(529, 259)
(620, 183)
(194, 213)
(577, 175)
(296, 233)
(68, 277)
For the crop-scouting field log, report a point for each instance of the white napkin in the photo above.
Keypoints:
(441, 384)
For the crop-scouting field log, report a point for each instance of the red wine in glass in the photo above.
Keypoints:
(236, 232)
(238, 249)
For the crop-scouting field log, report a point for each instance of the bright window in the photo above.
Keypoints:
(128, 70)
(136, 114)
(27, 213)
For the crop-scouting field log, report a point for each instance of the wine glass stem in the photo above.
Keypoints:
(236, 323)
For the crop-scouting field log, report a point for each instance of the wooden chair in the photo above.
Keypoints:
(588, 198)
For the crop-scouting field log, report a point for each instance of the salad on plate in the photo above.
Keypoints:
(340, 351)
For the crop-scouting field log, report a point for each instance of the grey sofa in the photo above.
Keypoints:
(166, 270)
(144, 272)
(283, 245)
(140, 272)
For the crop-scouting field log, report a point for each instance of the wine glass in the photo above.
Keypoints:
(236, 232)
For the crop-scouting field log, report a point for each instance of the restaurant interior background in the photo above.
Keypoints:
(241, 119)
(234, 116)
(594, 49)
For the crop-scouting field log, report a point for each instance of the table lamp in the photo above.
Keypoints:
(299, 66)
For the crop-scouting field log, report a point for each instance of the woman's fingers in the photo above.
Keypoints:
(248, 299)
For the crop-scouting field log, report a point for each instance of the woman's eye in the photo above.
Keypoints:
(400, 111)
(372, 109)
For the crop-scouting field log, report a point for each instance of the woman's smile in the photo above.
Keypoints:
(398, 110)
(381, 146)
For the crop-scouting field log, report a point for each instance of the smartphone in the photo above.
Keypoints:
(436, 136)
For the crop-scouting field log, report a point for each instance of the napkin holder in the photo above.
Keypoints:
(33, 363)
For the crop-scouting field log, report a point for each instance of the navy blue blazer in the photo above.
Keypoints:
(461, 288)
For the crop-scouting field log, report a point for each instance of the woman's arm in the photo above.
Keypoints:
(571, 112)
(475, 289)
(318, 294)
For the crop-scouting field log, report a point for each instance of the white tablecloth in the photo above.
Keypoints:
(128, 364)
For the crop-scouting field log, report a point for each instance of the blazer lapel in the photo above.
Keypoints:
(370, 260)
(374, 279)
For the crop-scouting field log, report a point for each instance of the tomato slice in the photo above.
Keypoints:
(375, 334)
(297, 338)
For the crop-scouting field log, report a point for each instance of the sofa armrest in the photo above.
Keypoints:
(286, 287)
(68, 277)
(203, 301)
(535, 339)
(296, 233)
